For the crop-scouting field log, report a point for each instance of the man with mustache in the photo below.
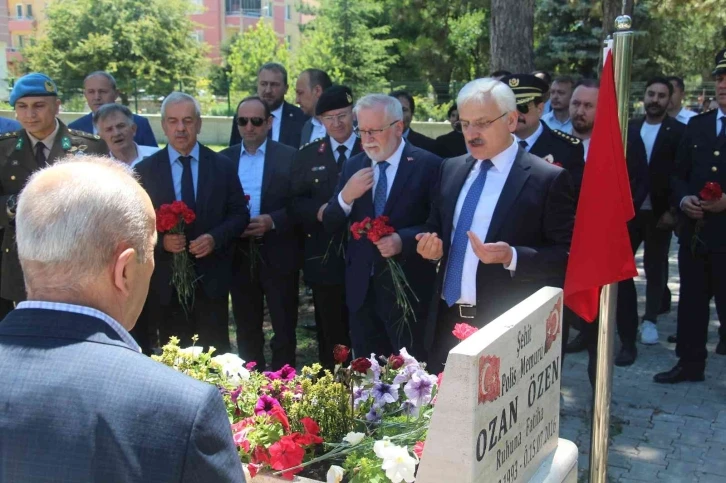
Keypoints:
(287, 120)
(501, 223)
(653, 139)
(391, 178)
(115, 125)
(582, 110)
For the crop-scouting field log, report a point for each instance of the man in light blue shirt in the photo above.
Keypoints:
(560, 94)
(9, 125)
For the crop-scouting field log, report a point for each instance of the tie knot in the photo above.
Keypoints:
(341, 149)
(486, 165)
(383, 165)
(523, 144)
(186, 161)
(39, 146)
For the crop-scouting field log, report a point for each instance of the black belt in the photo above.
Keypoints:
(465, 311)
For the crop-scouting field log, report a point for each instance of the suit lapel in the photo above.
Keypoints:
(268, 172)
(663, 134)
(406, 167)
(454, 185)
(58, 149)
(205, 176)
(356, 147)
(22, 153)
(283, 123)
(366, 201)
(163, 175)
(515, 181)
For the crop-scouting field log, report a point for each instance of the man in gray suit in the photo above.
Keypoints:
(309, 87)
(80, 402)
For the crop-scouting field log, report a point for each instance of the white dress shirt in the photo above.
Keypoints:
(318, 130)
(496, 178)
(684, 115)
(349, 144)
(47, 142)
(533, 138)
(277, 122)
(586, 146)
(394, 160)
(648, 133)
(719, 115)
(142, 152)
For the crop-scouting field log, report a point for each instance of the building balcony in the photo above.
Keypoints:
(13, 54)
(24, 24)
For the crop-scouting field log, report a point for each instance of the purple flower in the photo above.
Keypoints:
(360, 396)
(418, 389)
(273, 376)
(406, 372)
(384, 393)
(235, 394)
(286, 373)
(375, 367)
(408, 360)
(375, 414)
(265, 404)
(408, 407)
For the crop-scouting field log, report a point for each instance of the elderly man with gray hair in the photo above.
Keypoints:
(396, 179)
(86, 235)
(206, 182)
(115, 124)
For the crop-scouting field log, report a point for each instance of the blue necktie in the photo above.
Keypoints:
(187, 183)
(379, 197)
(455, 268)
(722, 134)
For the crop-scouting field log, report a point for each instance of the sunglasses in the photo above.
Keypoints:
(523, 108)
(256, 121)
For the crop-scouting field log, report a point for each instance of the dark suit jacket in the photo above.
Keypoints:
(535, 214)
(279, 246)
(17, 163)
(292, 121)
(306, 132)
(96, 410)
(144, 134)
(564, 149)
(421, 141)
(701, 157)
(407, 207)
(662, 160)
(315, 175)
(451, 145)
(221, 211)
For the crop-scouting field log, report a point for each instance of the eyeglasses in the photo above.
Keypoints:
(479, 125)
(523, 108)
(338, 118)
(256, 121)
(372, 132)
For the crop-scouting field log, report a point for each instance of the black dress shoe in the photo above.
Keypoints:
(672, 339)
(578, 344)
(679, 374)
(721, 348)
(626, 356)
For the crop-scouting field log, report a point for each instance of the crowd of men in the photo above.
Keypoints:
(482, 216)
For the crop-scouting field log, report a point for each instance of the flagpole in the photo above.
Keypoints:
(622, 62)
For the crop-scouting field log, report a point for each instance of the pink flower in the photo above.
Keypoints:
(418, 449)
(463, 331)
(265, 405)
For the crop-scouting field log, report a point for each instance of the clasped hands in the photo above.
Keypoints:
(431, 247)
(694, 207)
(177, 243)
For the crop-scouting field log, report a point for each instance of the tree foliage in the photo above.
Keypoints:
(148, 41)
(255, 46)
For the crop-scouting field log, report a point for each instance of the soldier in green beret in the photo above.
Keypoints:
(42, 140)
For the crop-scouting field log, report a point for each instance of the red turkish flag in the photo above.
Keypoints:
(600, 253)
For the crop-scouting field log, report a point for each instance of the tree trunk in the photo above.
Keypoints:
(611, 9)
(512, 35)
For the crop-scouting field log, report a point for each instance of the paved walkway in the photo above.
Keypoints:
(664, 433)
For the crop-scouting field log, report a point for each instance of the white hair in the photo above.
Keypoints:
(73, 216)
(177, 98)
(480, 90)
(391, 105)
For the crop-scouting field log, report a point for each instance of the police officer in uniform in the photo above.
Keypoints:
(42, 140)
(536, 137)
(315, 173)
(701, 158)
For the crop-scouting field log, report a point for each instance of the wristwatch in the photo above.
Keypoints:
(11, 205)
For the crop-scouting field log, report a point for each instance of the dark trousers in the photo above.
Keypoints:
(376, 327)
(702, 277)
(250, 289)
(444, 339)
(209, 319)
(643, 229)
(331, 321)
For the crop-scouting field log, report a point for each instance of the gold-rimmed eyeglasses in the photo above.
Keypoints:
(372, 132)
(479, 125)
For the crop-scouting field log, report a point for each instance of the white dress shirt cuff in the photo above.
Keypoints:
(680, 205)
(347, 208)
(512, 267)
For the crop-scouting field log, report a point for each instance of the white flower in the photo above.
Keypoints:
(399, 465)
(382, 447)
(408, 360)
(233, 367)
(193, 351)
(335, 474)
(354, 438)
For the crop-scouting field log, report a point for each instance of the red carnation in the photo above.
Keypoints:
(286, 454)
(396, 362)
(178, 207)
(463, 331)
(340, 353)
(711, 191)
(418, 449)
(361, 365)
(189, 216)
(379, 228)
(247, 197)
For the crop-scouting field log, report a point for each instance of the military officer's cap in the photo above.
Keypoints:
(720, 63)
(334, 97)
(526, 87)
(33, 85)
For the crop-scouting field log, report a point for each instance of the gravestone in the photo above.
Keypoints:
(497, 413)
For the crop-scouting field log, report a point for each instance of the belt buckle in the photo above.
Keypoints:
(461, 314)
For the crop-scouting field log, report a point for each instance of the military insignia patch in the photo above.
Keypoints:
(66, 143)
(49, 86)
(514, 82)
(349, 98)
(14, 162)
(19, 144)
(549, 158)
(321, 149)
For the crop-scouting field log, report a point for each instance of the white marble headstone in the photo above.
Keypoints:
(497, 414)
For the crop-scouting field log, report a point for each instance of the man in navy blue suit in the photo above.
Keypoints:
(395, 179)
(79, 400)
(99, 88)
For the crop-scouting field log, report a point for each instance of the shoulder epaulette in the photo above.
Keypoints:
(314, 141)
(567, 137)
(83, 134)
(705, 112)
(8, 135)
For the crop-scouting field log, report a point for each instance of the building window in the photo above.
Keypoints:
(268, 13)
(29, 11)
(198, 35)
(288, 12)
(288, 39)
(19, 11)
(21, 41)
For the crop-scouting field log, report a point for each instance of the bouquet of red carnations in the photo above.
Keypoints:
(711, 191)
(173, 218)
